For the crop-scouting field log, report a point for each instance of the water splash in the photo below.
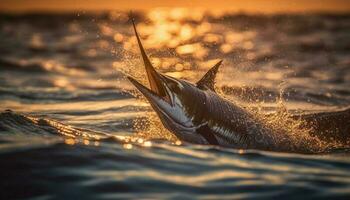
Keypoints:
(166, 27)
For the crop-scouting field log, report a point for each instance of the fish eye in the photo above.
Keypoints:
(175, 86)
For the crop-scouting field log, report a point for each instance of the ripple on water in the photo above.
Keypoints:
(66, 73)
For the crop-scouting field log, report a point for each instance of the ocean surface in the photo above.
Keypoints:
(73, 127)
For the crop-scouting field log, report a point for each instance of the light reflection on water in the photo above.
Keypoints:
(69, 68)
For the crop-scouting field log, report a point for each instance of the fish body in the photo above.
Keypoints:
(195, 113)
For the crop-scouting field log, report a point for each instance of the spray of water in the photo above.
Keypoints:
(286, 128)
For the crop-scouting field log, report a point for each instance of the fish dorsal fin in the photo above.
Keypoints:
(207, 82)
(148, 65)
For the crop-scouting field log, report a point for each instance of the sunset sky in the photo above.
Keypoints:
(231, 5)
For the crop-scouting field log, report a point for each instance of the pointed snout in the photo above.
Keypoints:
(158, 88)
(152, 75)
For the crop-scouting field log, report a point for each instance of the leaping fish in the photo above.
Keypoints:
(195, 113)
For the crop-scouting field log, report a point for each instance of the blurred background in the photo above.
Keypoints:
(71, 51)
(65, 60)
(266, 6)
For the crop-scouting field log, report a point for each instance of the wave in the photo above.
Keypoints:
(97, 165)
(14, 125)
